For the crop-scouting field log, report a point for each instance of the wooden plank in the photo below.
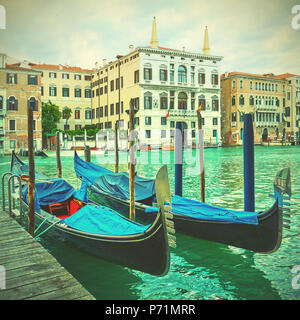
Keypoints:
(31, 271)
(48, 266)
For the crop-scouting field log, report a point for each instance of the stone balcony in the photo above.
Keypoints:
(267, 123)
(265, 107)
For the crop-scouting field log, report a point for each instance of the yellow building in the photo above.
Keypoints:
(264, 96)
(70, 87)
(19, 87)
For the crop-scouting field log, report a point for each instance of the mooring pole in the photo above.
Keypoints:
(58, 161)
(178, 159)
(249, 199)
(31, 196)
(131, 161)
(116, 148)
(87, 153)
(201, 155)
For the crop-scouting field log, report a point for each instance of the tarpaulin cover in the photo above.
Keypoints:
(199, 210)
(18, 167)
(117, 185)
(88, 171)
(104, 221)
(47, 193)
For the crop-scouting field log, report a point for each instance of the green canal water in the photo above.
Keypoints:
(199, 269)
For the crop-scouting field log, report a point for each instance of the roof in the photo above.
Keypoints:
(285, 76)
(17, 67)
(58, 67)
(266, 76)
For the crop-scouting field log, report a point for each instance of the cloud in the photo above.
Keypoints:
(252, 36)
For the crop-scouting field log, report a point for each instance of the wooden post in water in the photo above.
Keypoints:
(131, 161)
(116, 148)
(201, 154)
(31, 202)
(58, 161)
(87, 153)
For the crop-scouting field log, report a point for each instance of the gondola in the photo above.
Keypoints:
(256, 231)
(66, 213)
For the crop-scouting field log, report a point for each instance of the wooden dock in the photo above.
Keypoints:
(31, 272)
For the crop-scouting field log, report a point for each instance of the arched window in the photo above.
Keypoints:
(88, 113)
(233, 101)
(182, 101)
(201, 76)
(241, 100)
(182, 74)
(12, 103)
(251, 101)
(33, 104)
(214, 77)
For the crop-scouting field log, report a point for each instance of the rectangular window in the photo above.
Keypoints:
(163, 133)
(215, 121)
(112, 85)
(172, 124)
(101, 112)
(121, 82)
(65, 92)
(171, 75)
(250, 85)
(215, 105)
(163, 121)
(12, 125)
(214, 133)
(87, 78)
(214, 79)
(77, 126)
(42, 91)
(147, 102)
(77, 92)
(147, 73)
(112, 109)
(136, 76)
(32, 80)
(148, 121)
(117, 108)
(163, 75)
(12, 78)
(163, 103)
(65, 76)
(52, 91)
(52, 74)
(106, 111)
(148, 134)
(88, 114)
(97, 112)
(117, 84)
(77, 77)
(77, 114)
(201, 78)
(105, 89)
(87, 93)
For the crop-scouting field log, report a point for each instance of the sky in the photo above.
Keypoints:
(254, 36)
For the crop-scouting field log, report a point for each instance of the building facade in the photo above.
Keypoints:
(20, 87)
(167, 86)
(292, 108)
(263, 96)
(67, 87)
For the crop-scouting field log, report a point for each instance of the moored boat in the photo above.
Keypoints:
(66, 213)
(256, 231)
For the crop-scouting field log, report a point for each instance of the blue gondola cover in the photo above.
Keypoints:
(57, 191)
(104, 221)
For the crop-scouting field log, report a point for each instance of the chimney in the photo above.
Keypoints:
(104, 61)
(183, 49)
(226, 74)
(131, 48)
(2, 60)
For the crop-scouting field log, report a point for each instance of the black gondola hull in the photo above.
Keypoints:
(263, 238)
(147, 252)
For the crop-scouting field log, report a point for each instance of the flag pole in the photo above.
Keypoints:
(201, 154)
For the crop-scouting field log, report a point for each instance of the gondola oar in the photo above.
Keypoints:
(201, 154)
(25, 177)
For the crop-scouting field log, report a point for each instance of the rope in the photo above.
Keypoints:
(52, 225)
